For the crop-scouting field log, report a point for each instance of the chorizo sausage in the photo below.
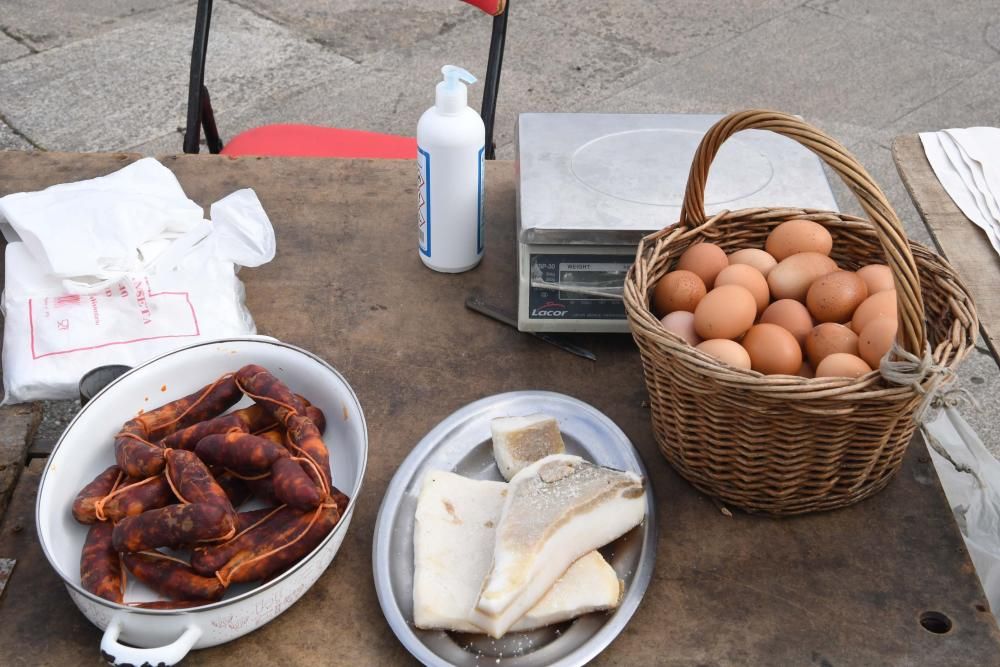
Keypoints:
(309, 529)
(340, 499)
(263, 489)
(209, 401)
(275, 435)
(134, 499)
(85, 504)
(137, 457)
(173, 526)
(293, 486)
(240, 452)
(172, 577)
(316, 415)
(135, 448)
(263, 387)
(100, 567)
(248, 420)
(235, 488)
(192, 481)
(276, 528)
(249, 454)
(247, 519)
(304, 437)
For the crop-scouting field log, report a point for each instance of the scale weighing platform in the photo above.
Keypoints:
(590, 186)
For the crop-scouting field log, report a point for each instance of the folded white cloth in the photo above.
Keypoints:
(967, 162)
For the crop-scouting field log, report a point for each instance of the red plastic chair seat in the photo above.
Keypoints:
(316, 141)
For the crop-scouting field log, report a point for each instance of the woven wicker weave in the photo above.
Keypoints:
(782, 444)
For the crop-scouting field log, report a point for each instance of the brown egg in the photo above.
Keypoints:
(725, 312)
(678, 290)
(726, 351)
(877, 305)
(790, 315)
(830, 338)
(749, 277)
(758, 259)
(791, 278)
(681, 322)
(877, 277)
(772, 350)
(795, 236)
(842, 365)
(833, 297)
(876, 339)
(806, 370)
(704, 259)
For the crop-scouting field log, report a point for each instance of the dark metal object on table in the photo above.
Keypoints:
(477, 304)
(96, 379)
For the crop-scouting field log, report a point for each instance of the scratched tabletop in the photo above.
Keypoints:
(847, 587)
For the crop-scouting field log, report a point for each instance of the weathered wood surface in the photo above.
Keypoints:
(960, 240)
(17, 426)
(840, 588)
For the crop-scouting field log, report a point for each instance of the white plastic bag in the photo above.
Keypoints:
(970, 476)
(74, 229)
(142, 293)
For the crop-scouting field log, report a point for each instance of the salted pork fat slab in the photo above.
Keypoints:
(520, 441)
(453, 539)
(557, 509)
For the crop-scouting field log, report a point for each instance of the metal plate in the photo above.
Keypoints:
(461, 444)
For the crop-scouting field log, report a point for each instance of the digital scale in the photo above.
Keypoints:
(590, 186)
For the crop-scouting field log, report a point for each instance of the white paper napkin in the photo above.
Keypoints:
(967, 162)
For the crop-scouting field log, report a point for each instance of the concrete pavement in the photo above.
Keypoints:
(104, 75)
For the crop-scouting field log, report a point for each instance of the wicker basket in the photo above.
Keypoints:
(784, 444)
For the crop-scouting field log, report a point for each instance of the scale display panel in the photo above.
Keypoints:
(573, 287)
(590, 186)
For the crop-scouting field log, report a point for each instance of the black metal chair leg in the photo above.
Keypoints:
(196, 89)
(208, 122)
(492, 83)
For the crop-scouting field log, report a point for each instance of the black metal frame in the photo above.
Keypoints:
(199, 111)
(200, 114)
(491, 86)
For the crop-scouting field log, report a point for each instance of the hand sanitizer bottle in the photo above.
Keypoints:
(451, 141)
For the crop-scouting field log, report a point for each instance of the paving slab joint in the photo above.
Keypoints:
(21, 135)
(17, 38)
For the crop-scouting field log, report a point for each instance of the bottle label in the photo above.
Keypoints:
(481, 220)
(424, 201)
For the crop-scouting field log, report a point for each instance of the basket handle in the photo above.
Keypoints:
(911, 334)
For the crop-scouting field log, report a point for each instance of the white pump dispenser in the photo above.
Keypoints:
(450, 148)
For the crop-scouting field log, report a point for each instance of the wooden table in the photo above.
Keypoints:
(960, 240)
(838, 588)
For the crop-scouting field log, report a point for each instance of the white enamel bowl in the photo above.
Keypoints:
(85, 449)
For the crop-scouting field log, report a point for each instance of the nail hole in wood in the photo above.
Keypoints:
(936, 622)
